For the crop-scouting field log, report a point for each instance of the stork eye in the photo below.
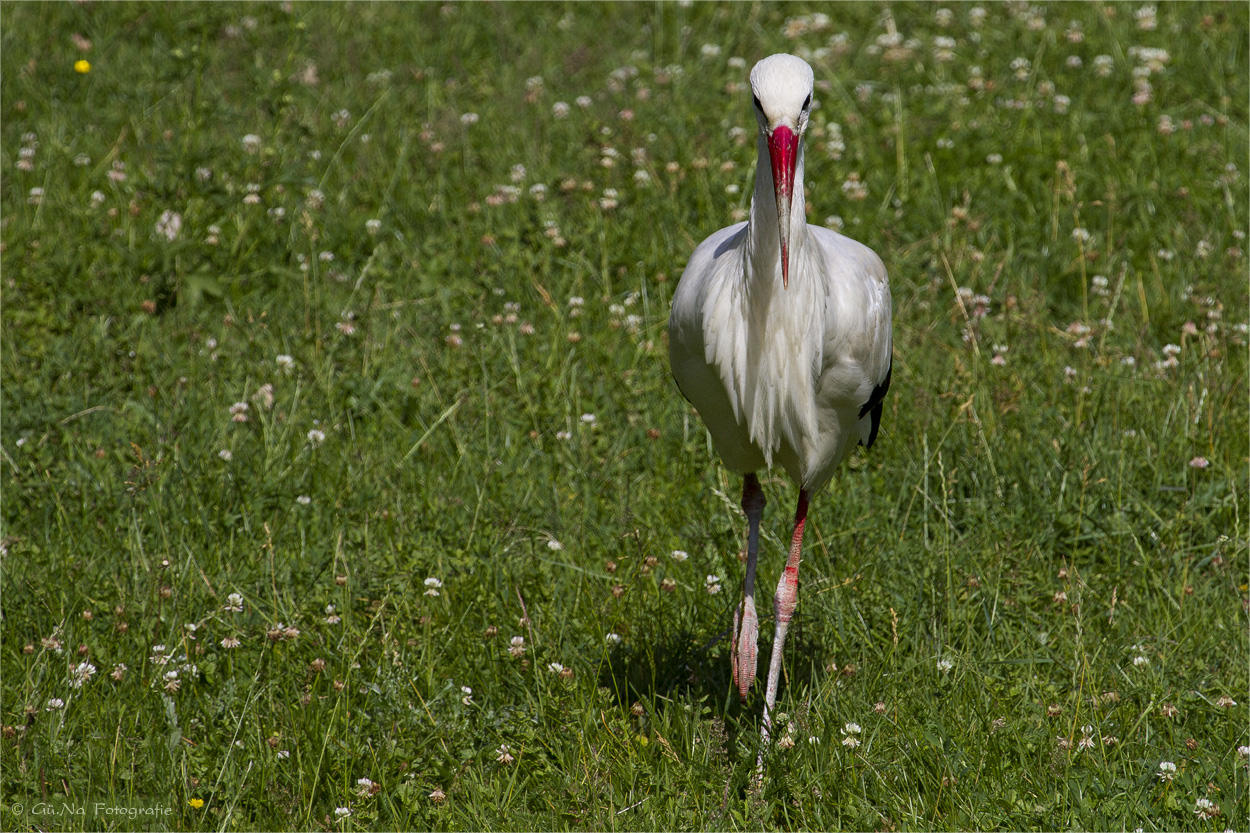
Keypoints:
(755, 99)
(808, 103)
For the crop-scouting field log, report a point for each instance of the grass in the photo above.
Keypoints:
(1029, 596)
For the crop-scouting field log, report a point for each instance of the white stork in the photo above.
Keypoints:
(781, 373)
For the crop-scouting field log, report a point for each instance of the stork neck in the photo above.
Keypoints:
(763, 249)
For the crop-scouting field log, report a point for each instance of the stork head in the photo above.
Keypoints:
(781, 87)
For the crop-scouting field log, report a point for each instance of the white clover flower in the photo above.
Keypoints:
(555, 667)
(169, 225)
(81, 674)
(943, 49)
(432, 586)
(680, 555)
(1167, 771)
(612, 638)
(1205, 808)
(853, 188)
(944, 665)
(251, 143)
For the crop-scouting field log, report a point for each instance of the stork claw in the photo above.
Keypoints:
(746, 649)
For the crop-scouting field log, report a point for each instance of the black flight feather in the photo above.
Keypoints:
(875, 404)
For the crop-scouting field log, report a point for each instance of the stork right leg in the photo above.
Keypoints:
(746, 624)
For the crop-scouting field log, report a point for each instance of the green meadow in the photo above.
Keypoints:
(344, 485)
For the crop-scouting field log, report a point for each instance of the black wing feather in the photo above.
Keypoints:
(875, 405)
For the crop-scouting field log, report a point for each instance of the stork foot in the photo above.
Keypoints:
(746, 648)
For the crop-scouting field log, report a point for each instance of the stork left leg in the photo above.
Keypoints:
(783, 606)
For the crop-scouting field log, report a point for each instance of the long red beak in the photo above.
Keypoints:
(783, 150)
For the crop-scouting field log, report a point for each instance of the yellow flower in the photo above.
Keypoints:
(82, 68)
(197, 803)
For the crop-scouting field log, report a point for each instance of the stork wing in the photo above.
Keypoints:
(875, 405)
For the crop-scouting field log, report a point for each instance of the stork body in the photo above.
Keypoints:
(780, 336)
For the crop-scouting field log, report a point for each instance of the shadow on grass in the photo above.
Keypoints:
(659, 665)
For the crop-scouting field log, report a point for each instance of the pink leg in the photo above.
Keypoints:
(745, 649)
(783, 605)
